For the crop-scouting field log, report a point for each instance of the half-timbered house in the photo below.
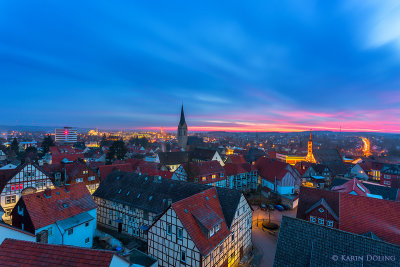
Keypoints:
(241, 176)
(195, 231)
(130, 203)
(26, 178)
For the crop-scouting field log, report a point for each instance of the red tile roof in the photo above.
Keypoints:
(107, 169)
(58, 153)
(357, 214)
(45, 210)
(352, 185)
(361, 215)
(238, 168)
(237, 159)
(24, 253)
(186, 208)
(270, 168)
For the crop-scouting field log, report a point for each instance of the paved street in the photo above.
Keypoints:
(263, 241)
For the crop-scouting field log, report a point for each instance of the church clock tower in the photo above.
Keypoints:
(182, 131)
(310, 156)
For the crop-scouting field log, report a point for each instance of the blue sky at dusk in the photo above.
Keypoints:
(235, 65)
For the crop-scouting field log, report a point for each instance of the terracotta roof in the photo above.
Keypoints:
(24, 253)
(193, 209)
(237, 159)
(104, 170)
(361, 215)
(357, 214)
(270, 168)
(238, 168)
(352, 185)
(65, 202)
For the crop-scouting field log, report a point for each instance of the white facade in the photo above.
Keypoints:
(7, 231)
(29, 177)
(66, 135)
(358, 172)
(286, 186)
(80, 235)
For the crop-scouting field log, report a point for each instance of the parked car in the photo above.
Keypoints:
(279, 207)
(271, 207)
(286, 207)
(263, 206)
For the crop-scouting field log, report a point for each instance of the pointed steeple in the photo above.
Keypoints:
(310, 136)
(182, 121)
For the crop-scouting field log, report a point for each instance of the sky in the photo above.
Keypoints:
(234, 65)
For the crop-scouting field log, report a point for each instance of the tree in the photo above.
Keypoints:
(103, 141)
(117, 151)
(15, 146)
(47, 143)
(31, 152)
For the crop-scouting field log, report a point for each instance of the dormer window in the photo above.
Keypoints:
(321, 210)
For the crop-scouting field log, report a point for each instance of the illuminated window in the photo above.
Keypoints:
(10, 199)
(203, 178)
(213, 176)
(321, 221)
(321, 210)
(85, 172)
(79, 180)
(312, 219)
(329, 223)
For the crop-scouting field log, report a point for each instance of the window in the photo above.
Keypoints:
(212, 231)
(330, 223)
(91, 178)
(87, 240)
(85, 172)
(221, 174)
(169, 229)
(70, 231)
(320, 221)
(183, 256)
(233, 238)
(312, 219)
(109, 221)
(213, 176)
(203, 178)
(221, 248)
(385, 182)
(11, 199)
(321, 210)
(79, 180)
(179, 234)
(87, 224)
(217, 227)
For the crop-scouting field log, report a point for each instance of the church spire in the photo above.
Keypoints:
(182, 121)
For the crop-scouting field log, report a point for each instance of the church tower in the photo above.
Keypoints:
(182, 131)
(310, 156)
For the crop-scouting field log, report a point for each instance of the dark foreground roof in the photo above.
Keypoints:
(330, 158)
(301, 243)
(388, 193)
(23, 253)
(153, 194)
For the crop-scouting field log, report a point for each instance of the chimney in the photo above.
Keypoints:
(47, 193)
